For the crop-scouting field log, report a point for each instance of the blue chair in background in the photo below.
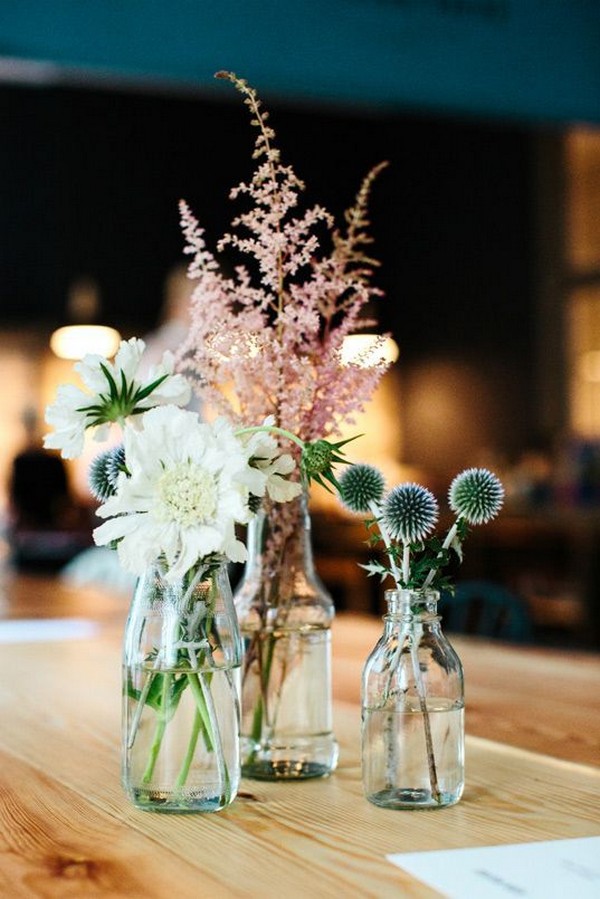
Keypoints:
(486, 609)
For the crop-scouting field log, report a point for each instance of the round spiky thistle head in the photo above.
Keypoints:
(104, 471)
(410, 512)
(476, 495)
(115, 464)
(361, 485)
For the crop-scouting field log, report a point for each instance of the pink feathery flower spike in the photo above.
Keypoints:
(274, 347)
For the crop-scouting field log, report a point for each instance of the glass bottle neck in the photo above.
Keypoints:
(280, 535)
(280, 583)
(406, 606)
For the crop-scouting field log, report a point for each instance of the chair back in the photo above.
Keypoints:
(487, 609)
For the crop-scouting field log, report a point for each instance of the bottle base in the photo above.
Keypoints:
(168, 803)
(286, 769)
(412, 799)
(299, 760)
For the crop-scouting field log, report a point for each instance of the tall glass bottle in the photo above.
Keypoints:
(285, 616)
(181, 664)
(412, 709)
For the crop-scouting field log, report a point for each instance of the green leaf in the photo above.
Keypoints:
(144, 392)
(373, 568)
(125, 389)
(96, 409)
(155, 695)
(114, 392)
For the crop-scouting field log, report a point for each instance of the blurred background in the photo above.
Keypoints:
(486, 223)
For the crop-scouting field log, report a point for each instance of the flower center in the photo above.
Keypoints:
(187, 494)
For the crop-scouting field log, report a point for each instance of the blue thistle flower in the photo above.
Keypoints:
(115, 464)
(410, 512)
(361, 485)
(476, 495)
(104, 471)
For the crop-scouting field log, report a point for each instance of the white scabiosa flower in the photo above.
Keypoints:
(476, 495)
(269, 470)
(183, 496)
(68, 421)
(114, 393)
(410, 512)
(278, 487)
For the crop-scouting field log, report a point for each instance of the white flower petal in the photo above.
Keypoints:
(128, 357)
(114, 529)
(285, 464)
(234, 549)
(174, 389)
(91, 374)
(283, 491)
(69, 443)
(69, 424)
(102, 432)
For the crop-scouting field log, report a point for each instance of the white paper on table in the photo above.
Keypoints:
(38, 630)
(547, 870)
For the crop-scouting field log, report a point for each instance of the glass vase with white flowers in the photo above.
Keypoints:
(172, 494)
(412, 684)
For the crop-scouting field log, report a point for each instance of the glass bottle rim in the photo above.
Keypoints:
(405, 601)
(416, 594)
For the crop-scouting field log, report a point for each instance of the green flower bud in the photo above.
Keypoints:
(317, 457)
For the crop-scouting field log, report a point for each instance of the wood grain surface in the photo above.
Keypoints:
(546, 700)
(66, 829)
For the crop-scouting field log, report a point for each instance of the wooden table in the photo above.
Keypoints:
(66, 829)
(546, 700)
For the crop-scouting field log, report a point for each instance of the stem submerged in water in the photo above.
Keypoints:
(260, 716)
(433, 779)
(159, 733)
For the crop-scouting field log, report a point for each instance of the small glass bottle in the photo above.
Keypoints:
(182, 657)
(412, 709)
(285, 617)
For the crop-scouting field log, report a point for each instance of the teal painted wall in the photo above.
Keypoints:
(534, 60)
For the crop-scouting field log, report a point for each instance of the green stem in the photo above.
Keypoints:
(449, 538)
(433, 779)
(199, 697)
(271, 429)
(406, 563)
(160, 730)
(261, 707)
(387, 541)
(212, 737)
(257, 719)
(185, 768)
(266, 674)
(135, 723)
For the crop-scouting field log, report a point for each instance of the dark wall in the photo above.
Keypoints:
(89, 184)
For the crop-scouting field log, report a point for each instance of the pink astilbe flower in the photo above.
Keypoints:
(276, 346)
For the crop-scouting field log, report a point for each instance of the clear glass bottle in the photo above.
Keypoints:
(412, 709)
(181, 664)
(285, 616)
